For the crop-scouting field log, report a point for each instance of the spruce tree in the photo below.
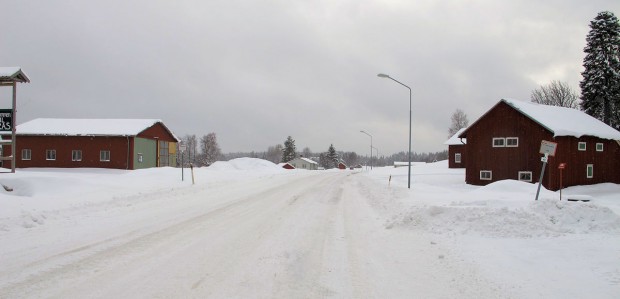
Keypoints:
(332, 157)
(600, 87)
(289, 152)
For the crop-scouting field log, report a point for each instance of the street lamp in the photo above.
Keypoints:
(387, 76)
(370, 146)
(377, 155)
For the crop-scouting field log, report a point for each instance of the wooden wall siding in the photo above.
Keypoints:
(606, 163)
(506, 162)
(157, 131)
(90, 146)
(454, 149)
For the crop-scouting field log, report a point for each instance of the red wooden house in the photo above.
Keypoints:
(96, 143)
(341, 165)
(456, 150)
(505, 142)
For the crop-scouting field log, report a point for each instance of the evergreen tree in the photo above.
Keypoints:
(323, 160)
(600, 87)
(289, 152)
(332, 157)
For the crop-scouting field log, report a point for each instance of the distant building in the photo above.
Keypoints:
(505, 142)
(456, 150)
(286, 166)
(304, 163)
(341, 165)
(97, 143)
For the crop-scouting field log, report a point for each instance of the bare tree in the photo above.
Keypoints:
(306, 152)
(274, 153)
(191, 148)
(459, 121)
(557, 93)
(210, 149)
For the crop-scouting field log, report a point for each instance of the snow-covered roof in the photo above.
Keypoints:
(306, 159)
(86, 127)
(455, 140)
(13, 74)
(563, 121)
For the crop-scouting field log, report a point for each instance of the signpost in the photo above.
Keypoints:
(561, 168)
(547, 148)
(182, 149)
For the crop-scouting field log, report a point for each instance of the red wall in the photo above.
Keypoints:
(454, 149)
(90, 146)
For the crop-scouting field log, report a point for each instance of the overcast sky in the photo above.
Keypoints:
(255, 72)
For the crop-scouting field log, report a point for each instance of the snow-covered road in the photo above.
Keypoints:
(308, 235)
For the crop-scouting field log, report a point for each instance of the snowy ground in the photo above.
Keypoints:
(248, 229)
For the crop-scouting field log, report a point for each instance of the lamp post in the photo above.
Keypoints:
(387, 76)
(377, 155)
(370, 146)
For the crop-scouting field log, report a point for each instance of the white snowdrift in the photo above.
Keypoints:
(543, 218)
(248, 164)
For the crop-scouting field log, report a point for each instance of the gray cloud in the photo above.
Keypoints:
(255, 72)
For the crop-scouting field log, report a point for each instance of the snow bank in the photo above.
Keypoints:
(245, 164)
(546, 217)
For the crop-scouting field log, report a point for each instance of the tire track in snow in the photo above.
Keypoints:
(79, 264)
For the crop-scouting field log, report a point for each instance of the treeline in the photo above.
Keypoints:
(205, 150)
(352, 158)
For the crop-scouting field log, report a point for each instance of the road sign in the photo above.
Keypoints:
(6, 120)
(182, 147)
(548, 147)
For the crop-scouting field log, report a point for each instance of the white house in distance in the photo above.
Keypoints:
(304, 163)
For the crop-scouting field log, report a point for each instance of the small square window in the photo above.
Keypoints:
(599, 147)
(525, 176)
(50, 155)
(581, 146)
(590, 171)
(512, 141)
(104, 156)
(76, 155)
(26, 154)
(499, 142)
(457, 158)
(486, 175)
(140, 158)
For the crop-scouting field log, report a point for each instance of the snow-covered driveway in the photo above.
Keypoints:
(308, 235)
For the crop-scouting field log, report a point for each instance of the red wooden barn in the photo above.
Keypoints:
(505, 142)
(456, 150)
(97, 143)
(341, 165)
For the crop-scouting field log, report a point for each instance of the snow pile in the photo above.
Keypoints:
(245, 164)
(543, 218)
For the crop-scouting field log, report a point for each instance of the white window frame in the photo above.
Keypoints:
(498, 139)
(590, 171)
(76, 155)
(50, 155)
(581, 146)
(140, 158)
(26, 154)
(599, 147)
(103, 154)
(525, 173)
(485, 172)
(457, 158)
(512, 138)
